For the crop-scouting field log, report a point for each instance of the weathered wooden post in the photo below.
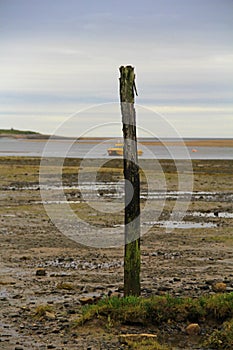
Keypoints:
(132, 259)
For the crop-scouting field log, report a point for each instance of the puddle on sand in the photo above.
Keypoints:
(56, 202)
(180, 224)
(182, 195)
(214, 214)
(85, 186)
(176, 224)
(116, 190)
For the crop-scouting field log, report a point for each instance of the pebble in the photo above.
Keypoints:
(87, 300)
(55, 330)
(193, 329)
(49, 315)
(125, 338)
(41, 272)
(176, 279)
(219, 287)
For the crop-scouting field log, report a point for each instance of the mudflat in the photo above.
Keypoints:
(41, 266)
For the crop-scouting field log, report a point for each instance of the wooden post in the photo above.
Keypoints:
(132, 259)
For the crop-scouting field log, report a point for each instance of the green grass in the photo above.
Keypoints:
(213, 310)
(133, 310)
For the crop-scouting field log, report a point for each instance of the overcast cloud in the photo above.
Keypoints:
(59, 56)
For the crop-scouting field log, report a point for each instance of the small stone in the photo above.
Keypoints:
(114, 294)
(49, 315)
(71, 312)
(99, 288)
(204, 287)
(13, 315)
(126, 338)
(219, 287)
(18, 348)
(40, 272)
(87, 300)
(55, 330)
(193, 329)
(164, 288)
(17, 296)
(176, 279)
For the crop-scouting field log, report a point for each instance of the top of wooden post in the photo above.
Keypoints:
(127, 84)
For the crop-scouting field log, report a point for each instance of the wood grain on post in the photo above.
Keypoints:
(132, 258)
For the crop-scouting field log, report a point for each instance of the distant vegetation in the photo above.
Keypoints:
(15, 132)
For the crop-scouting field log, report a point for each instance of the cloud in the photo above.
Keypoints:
(55, 56)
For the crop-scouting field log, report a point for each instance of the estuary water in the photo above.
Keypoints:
(98, 149)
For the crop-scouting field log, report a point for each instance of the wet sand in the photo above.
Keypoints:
(183, 262)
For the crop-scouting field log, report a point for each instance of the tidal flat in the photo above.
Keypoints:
(181, 255)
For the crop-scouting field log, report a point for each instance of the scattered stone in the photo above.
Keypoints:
(99, 288)
(164, 288)
(41, 272)
(13, 315)
(71, 311)
(193, 329)
(4, 280)
(114, 294)
(55, 330)
(176, 279)
(49, 315)
(204, 287)
(210, 282)
(18, 348)
(219, 287)
(126, 338)
(17, 296)
(87, 300)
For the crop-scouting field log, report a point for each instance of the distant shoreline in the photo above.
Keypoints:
(192, 142)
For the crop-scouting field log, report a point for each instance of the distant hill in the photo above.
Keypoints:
(15, 132)
(25, 134)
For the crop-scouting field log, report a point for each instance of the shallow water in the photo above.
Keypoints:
(93, 190)
(65, 149)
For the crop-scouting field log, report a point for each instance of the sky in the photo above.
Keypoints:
(58, 58)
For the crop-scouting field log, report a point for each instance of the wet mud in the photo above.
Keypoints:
(41, 266)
